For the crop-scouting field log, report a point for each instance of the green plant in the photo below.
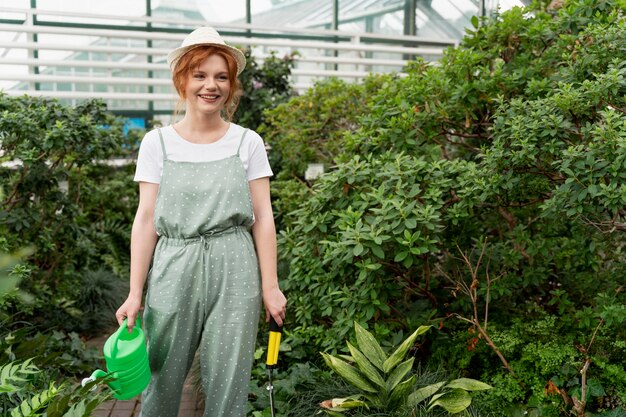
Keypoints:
(26, 391)
(11, 271)
(381, 378)
(57, 353)
(265, 86)
(101, 292)
(517, 138)
(310, 128)
(57, 201)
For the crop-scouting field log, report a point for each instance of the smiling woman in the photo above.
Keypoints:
(203, 238)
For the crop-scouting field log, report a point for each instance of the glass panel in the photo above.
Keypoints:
(115, 8)
(445, 18)
(506, 4)
(82, 87)
(221, 11)
(372, 16)
(12, 54)
(64, 87)
(15, 4)
(182, 13)
(389, 23)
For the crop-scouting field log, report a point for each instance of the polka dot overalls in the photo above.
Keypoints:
(203, 287)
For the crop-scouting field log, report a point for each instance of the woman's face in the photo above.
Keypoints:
(208, 86)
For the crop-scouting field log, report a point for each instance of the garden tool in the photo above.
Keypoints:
(127, 363)
(272, 358)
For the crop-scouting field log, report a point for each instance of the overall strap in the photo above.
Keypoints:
(162, 144)
(241, 140)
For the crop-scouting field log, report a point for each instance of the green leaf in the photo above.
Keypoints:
(400, 256)
(358, 249)
(453, 401)
(25, 408)
(474, 21)
(468, 384)
(349, 373)
(77, 410)
(8, 388)
(346, 358)
(335, 413)
(399, 373)
(399, 395)
(421, 394)
(595, 388)
(399, 354)
(342, 404)
(7, 371)
(369, 346)
(366, 367)
(377, 250)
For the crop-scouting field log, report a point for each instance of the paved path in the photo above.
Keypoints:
(130, 408)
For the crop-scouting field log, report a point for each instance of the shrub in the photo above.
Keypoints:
(57, 200)
(511, 150)
(265, 86)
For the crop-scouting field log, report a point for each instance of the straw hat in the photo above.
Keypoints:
(205, 36)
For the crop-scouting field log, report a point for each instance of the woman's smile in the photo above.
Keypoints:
(209, 98)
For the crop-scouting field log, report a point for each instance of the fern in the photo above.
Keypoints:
(26, 391)
(13, 375)
(30, 406)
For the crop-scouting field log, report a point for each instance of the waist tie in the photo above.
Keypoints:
(203, 238)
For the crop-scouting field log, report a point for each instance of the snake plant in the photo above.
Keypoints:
(385, 383)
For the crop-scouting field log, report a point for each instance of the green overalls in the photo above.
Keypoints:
(203, 288)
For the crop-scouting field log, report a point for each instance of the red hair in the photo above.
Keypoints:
(191, 60)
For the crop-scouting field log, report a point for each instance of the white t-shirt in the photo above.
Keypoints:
(150, 158)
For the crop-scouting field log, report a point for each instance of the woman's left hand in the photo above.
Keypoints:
(275, 305)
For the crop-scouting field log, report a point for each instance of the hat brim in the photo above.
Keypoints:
(174, 56)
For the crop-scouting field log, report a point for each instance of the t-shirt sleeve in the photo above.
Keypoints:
(148, 159)
(258, 164)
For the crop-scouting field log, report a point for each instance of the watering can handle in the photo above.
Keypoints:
(119, 331)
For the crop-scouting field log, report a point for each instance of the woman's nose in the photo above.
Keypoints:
(209, 83)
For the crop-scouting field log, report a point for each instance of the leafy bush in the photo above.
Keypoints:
(310, 128)
(488, 188)
(57, 201)
(264, 86)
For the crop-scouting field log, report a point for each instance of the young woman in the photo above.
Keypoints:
(203, 237)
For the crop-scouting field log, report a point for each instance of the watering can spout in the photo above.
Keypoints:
(98, 373)
(127, 363)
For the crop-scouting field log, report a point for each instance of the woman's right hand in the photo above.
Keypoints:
(130, 310)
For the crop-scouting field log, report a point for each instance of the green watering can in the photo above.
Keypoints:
(127, 362)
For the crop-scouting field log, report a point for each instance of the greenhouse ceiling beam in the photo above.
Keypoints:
(410, 24)
(226, 29)
(149, 57)
(34, 37)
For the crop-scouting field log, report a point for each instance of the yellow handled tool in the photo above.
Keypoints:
(272, 357)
